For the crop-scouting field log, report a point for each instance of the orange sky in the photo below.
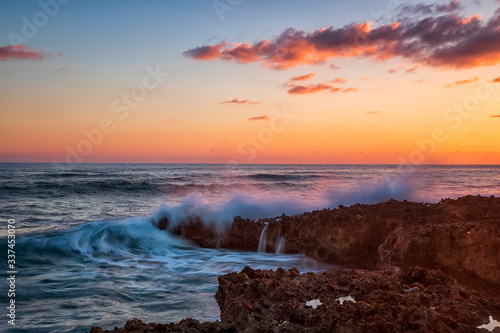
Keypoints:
(253, 97)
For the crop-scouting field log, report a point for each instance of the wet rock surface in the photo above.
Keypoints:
(388, 290)
(412, 300)
(460, 237)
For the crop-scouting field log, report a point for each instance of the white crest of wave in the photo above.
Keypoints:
(253, 204)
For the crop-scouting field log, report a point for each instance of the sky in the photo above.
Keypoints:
(240, 81)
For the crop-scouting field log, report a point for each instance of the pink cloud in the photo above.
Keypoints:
(309, 89)
(259, 118)
(302, 77)
(22, 52)
(237, 101)
(462, 82)
(448, 40)
(340, 80)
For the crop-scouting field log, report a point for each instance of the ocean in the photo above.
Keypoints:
(87, 252)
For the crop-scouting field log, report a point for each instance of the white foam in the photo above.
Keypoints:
(314, 303)
(280, 245)
(253, 204)
(491, 325)
(263, 239)
(345, 298)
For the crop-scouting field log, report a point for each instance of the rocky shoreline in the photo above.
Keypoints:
(387, 245)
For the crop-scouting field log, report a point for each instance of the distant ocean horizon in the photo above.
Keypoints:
(87, 252)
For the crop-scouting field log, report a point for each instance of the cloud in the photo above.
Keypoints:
(394, 70)
(22, 52)
(340, 80)
(309, 89)
(419, 81)
(448, 40)
(64, 69)
(495, 116)
(302, 77)
(346, 90)
(264, 117)
(205, 52)
(237, 101)
(412, 69)
(449, 7)
(458, 83)
(334, 67)
(428, 9)
(496, 80)
(372, 112)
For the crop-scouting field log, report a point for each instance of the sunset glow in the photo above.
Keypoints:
(280, 82)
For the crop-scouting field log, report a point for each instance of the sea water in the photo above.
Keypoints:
(88, 253)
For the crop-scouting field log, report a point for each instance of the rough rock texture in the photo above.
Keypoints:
(414, 300)
(460, 237)
(187, 325)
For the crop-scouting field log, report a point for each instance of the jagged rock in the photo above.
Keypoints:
(347, 301)
(185, 326)
(460, 237)
(272, 301)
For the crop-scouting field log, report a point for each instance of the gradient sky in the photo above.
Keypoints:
(250, 81)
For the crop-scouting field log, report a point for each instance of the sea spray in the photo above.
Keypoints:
(218, 213)
(280, 244)
(263, 239)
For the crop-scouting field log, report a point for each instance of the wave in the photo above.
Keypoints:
(81, 187)
(221, 212)
(105, 240)
(179, 187)
(140, 235)
(281, 177)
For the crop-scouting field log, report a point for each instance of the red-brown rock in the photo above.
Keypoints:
(460, 237)
(413, 300)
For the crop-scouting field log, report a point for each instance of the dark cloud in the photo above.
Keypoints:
(429, 9)
(448, 40)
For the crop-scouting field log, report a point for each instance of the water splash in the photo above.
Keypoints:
(263, 240)
(253, 204)
(280, 244)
